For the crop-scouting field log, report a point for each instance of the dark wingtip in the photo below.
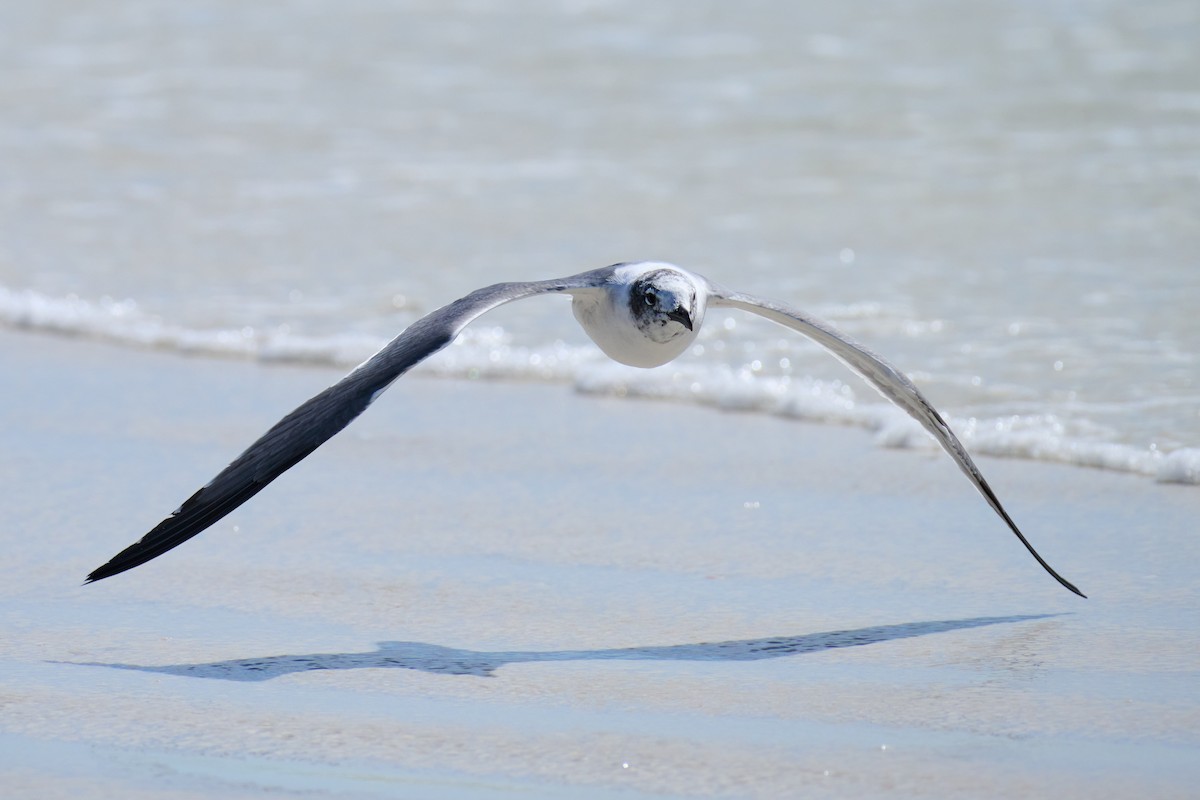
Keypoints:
(1053, 573)
(994, 502)
(1072, 587)
(121, 562)
(99, 574)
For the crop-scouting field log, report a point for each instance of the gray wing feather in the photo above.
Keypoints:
(318, 419)
(888, 381)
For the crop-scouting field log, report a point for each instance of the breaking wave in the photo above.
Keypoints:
(487, 352)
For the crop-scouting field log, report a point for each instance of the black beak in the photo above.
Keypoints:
(680, 315)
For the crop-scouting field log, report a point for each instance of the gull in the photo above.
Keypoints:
(642, 314)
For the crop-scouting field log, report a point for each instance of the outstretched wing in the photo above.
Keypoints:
(888, 381)
(314, 422)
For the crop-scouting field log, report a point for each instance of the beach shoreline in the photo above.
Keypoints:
(499, 585)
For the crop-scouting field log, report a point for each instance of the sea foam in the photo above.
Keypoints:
(487, 352)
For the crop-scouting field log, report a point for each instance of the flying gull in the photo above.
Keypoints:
(641, 314)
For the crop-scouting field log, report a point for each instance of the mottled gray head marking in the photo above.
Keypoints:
(662, 303)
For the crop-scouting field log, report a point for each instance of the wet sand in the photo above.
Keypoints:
(499, 589)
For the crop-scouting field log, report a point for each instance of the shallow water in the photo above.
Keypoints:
(485, 589)
(1004, 203)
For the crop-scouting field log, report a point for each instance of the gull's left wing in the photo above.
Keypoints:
(318, 419)
(888, 381)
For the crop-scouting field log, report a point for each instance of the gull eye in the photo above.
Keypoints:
(649, 298)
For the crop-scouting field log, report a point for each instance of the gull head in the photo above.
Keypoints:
(647, 315)
(663, 303)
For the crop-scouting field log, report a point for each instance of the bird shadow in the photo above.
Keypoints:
(453, 661)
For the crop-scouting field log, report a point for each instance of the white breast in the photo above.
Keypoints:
(606, 318)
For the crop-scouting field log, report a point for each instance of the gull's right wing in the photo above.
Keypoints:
(318, 419)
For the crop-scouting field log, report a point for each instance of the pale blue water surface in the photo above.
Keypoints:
(487, 589)
(1003, 199)
(1004, 202)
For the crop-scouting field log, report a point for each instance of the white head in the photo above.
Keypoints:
(649, 313)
